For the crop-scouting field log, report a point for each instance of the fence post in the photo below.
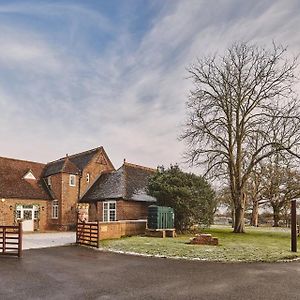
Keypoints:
(98, 234)
(20, 248)
(4, 239)
(77, 231)
(293, 226)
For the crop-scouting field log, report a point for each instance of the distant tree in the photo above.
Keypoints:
(191, 196)
(223, 198)
(281, 184)
(241, 110)
(254, 189)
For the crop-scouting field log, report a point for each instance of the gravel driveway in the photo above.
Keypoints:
(45, 240)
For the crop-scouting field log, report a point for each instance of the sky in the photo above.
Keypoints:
(75, 75)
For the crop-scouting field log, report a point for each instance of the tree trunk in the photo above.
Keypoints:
(239, 213)
(232, 217)
(239, 224)
(254, 215)
(276, 216)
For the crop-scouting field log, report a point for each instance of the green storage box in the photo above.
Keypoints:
(160, 217)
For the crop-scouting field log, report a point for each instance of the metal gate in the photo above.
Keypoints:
(11, 240)
(87, 234)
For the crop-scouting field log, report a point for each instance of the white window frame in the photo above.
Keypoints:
(72, 180)
(19, 209)
(54, 209)
(20, 212)
(107, 211)
(87, 177)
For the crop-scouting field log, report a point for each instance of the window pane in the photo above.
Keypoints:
(72, 180)
(55, 209)
(105, 216)
(112, 205)
(18, 213)
(112, 215)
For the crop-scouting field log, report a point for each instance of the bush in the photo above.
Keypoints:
(191, 196)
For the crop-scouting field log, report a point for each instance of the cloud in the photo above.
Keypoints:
(93, 82)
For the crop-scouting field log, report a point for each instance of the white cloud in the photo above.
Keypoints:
(128, 98)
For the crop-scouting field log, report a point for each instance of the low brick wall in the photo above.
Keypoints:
(117, 229)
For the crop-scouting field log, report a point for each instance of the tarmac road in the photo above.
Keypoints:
(74, 272)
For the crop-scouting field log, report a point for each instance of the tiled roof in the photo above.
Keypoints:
(129, 183)
(13, 184)
(78, 162)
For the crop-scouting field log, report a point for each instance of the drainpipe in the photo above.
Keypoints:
(79, 183)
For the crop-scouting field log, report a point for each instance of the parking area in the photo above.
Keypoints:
(74, 272)
(48, 239)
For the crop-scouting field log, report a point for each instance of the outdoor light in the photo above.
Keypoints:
(43, 208)
(2, 200)
(11, 207)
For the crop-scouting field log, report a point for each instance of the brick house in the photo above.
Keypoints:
(120, 195)
(45, 196)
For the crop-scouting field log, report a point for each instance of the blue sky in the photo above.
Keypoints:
(78, 74)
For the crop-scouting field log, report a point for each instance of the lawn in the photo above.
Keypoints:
(257, 244)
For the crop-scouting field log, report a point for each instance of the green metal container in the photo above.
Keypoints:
(160, 217)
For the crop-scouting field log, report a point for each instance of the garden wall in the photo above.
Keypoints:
(117, 229)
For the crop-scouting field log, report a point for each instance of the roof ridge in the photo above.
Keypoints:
(138, 166)
(74, 155)
(23, 160)
(125, 182)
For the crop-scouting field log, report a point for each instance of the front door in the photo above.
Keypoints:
(28, 219)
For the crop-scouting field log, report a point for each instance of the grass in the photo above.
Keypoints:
(257, 244)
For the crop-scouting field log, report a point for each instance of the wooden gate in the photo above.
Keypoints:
(11, 240)
(87, 234)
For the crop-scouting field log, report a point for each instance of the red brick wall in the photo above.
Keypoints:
(69, 200)
(7, 212)
(115, 230)
(126, 210)
(132, 210)
(56, 188)
(96, 166)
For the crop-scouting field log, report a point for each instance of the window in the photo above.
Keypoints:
(55, 209)
(109, 211)
(36, 214)
(29, 175)
(49, 180)
(26, 212)
(72, 181)
(19, 212)
(88, 177)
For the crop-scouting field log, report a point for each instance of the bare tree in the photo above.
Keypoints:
(281, 184)
(240, 99)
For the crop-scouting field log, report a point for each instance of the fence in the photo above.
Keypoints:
(11, 240)
(87, 234)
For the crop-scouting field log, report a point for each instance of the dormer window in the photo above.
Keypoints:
(72, 180)
(49, 180)
(29, 175)
(88, 177)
